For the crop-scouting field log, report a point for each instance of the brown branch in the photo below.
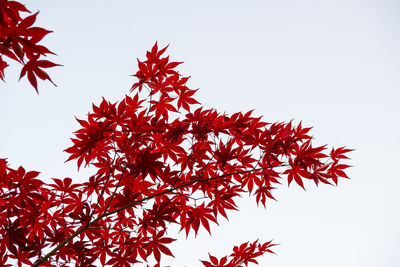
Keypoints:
(106, 214)
(187, 184)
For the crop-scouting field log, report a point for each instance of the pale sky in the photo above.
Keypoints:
(332, 64)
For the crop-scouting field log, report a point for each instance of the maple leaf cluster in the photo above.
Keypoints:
(161, 159)
(242, 255)
(19, 41)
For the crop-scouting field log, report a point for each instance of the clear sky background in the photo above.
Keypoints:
(332, 64)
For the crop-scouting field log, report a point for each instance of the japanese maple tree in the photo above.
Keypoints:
(160, 159)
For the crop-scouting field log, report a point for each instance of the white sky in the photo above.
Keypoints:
(333, 64)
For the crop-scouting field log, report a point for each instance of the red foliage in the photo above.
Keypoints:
(161, 159)
(242, 255)
(19, 41)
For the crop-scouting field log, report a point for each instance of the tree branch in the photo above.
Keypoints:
(106, 214)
